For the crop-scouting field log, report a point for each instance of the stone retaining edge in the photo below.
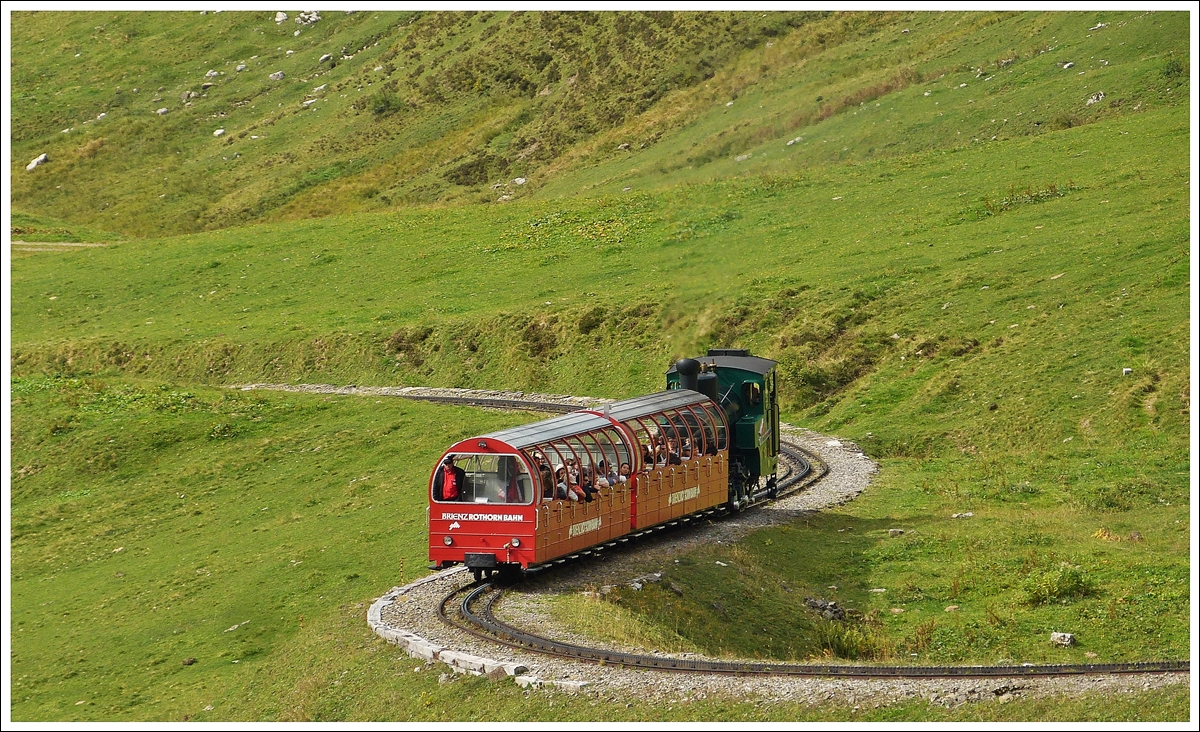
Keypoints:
(459, 662)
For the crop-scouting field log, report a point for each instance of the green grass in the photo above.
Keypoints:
(962, 307)
(204, 572)
(413, 107)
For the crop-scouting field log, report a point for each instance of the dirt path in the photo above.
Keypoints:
(54, 246)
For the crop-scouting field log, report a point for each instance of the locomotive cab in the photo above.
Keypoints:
(745, 388)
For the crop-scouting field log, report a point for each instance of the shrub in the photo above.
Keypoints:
(1062, 583)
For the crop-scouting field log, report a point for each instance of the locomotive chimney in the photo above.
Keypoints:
(689, 370)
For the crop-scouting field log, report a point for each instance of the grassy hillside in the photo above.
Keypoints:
(414, 108)
(409, 107)
(959, 296)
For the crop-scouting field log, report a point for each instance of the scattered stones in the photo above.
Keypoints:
(966, 514)
(308, 17)
(828, 608)
(189, 661)
(39, 160)
(240, 67)
(277, 76)
(161, 111)
(623, 146)
(895, 532)
(187, 95)
(519, 181)
(280, 17)
(325, 58)
(1062, 639)
(211, 73)
(1094, 98)
(218, 133)
(952, 608)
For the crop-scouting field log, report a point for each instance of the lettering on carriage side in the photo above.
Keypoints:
(584, 527)
(482, 517)
(681, 496)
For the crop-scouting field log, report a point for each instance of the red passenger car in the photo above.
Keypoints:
(527, 495)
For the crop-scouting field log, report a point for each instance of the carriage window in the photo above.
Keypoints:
(483, 479)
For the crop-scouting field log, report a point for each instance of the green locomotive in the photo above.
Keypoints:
(745, 388)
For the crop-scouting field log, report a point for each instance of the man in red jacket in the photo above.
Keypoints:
(449, 482)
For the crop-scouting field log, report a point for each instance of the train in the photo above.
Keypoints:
(523, 497)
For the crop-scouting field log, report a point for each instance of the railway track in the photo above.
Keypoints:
(482, 623)
(802, 468)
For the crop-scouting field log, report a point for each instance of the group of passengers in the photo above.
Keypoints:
(573, 481)
(660, 454)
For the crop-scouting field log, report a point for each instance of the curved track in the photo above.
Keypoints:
(483, 624)
(799, 464)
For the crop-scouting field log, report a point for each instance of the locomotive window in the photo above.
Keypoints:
(491, 479)
(751, 393)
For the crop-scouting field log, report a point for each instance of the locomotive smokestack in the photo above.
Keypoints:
(689, 370)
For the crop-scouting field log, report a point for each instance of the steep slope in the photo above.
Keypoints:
(372, 109)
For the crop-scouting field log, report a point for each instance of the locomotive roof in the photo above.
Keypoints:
(753, 364)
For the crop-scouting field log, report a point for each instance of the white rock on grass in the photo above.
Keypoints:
(211, 73)
(40, 159)
(320, 88)
(280, 17)
(519, 181)
(102, 115)
(1062, 639)
(218, 133)
(325, 58)
(161, 111)
(277, 76)
(240, 67)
